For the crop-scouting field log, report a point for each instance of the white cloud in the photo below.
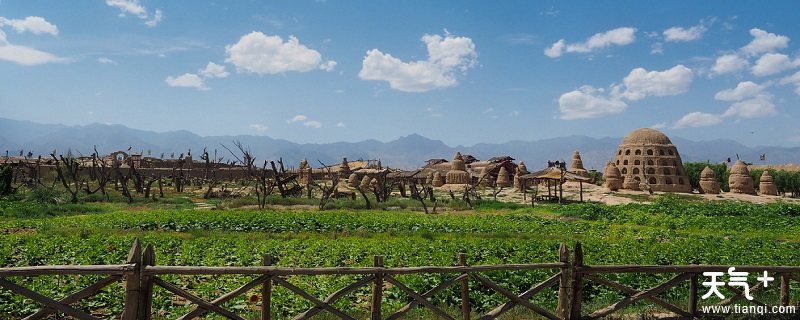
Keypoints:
(729, 63)
(764, 41)
(24, 55)
(772, 63)
(641, 83)
(557, 49)
(133, 7)
(340, 125)
(696, 120)
(297, 118)
(213, 70)
(104, 60)
(157, 17)
(447, 56)
(744, 90)
(660, 125)
(313, 124)
(588, 102)
(657, 48)
(760, 106)
(262, 54)
(186, 80)
(619, 37)
(32, 24)
(679, 34)
(258, 127)
(793, 79)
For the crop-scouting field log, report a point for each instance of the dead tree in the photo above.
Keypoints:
(68, 169)
(101, 172)
(421, 196)
(122, 177)
(285, 181)
(328, 192)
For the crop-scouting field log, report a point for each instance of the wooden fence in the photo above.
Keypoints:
(141, 274)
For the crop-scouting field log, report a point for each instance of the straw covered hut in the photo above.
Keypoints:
(740, 180)
(576, 166)
(708, 181)
(458, 171)
(521, 171)
(502, 178)
(766, 184)
(612, 177)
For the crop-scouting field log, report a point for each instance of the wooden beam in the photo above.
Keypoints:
(426, 295)
(377, 290)
(110, 269)
(638, 296)
(84, 293)
(333, 297)
(465, 307)
(631, 291)
(314, 300)
(133, 282)
(50, 303)
(199, 311)
(513, 297)
(195, 299)
(283, 271)
(549, 282)
(439, 312)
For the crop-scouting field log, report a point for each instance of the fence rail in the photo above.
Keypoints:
(141, 274)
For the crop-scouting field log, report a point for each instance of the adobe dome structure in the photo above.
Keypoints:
(613, 179)
(576, 166)
(648, 156)
(740, 180)
(766, 185)
(458, 171)
(708, 181)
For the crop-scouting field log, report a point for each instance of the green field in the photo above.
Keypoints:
(668, 231)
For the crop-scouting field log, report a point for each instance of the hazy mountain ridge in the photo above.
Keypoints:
(405, 152)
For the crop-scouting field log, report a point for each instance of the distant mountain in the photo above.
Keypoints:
(405, 152)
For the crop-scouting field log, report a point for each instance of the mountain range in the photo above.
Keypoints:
(405, 152)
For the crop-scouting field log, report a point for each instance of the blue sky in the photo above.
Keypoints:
(461, 71)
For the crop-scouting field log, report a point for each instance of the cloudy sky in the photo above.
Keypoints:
(322, 71)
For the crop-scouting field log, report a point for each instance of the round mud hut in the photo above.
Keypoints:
(612, 177)
(647, 156)
(458, 171)
(576, 166)
(708, 181)
(740, 180)
(766, 184)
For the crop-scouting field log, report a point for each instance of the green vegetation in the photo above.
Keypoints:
(670, 230)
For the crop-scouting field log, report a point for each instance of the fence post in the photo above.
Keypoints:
(146, 286)
(693, 294)
(266, 290)
(785, 299)
(377, 290)
(577, 282)
(465, 307)
(562, 311)
(132, 282)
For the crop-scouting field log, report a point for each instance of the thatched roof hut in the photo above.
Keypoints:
(708, 181)
(612, 177)
(740, 180)
(766, 185)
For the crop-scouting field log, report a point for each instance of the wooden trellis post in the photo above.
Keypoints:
(562, 311)
(465, 307)
(146, 286)
(693, 295)
(576, 294)
(132, 283)
(785, 289)
(377, 290)
(266, 291)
